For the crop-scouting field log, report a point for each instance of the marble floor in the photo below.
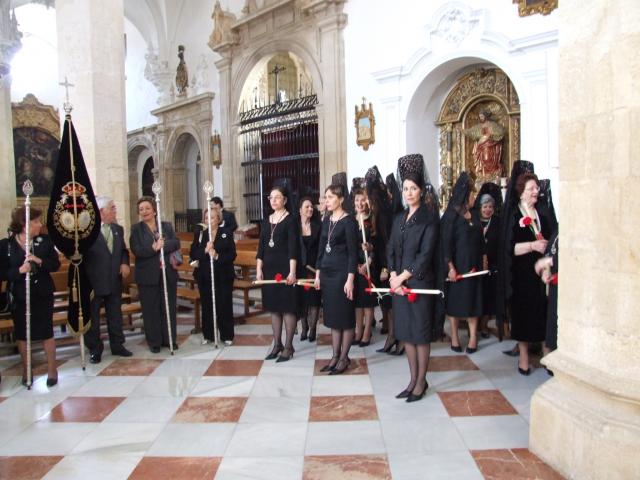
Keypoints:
(227, 414)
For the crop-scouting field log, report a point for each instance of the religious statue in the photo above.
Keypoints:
(249, 7)
(222, 23)
(182, 75)
(487, 149)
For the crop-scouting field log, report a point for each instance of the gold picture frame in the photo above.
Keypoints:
(531, 7)
(365, 123)
(216, 148)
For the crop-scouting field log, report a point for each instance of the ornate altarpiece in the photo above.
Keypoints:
(484, 89)
(36, 140)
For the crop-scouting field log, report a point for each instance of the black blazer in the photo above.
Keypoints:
(4, 259)
(225, 248)
(148, 270)
(229, 221)
(310, 256)
(41, 281)
(413, 244)
(102, 266)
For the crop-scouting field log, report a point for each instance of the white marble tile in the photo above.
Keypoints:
(268, 385)
(391, 408)
(268, 440)
(207, 352)
(325, 352)
(165, 387)
(109, 386)
(491, 432)
(328, 385)
(9, 431)
(436, 465)
(39, 392)
(344, 438)
(421, 435)
(223, 387)
(276, 410)
(264, 468)
(253, 330)
(193, 440)
(119, 438)
(73, 366)
(145, 409)
(48, 438)
(18, 410)
(10, 385)
(512, 380)
(94, 466)
(244, 353)
(179, 367)
(459, 380)
(521, 401)
(293, 368)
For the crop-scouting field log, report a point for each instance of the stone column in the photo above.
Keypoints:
(585, 422)
(9, 45)
(91, 54)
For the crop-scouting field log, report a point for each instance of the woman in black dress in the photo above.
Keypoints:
(278, 253)
(365, 302)
(335, 276)
(146, 244)
(223, 251)
(463, 249)
(411, 251)
(528, 303)
(310, 227)
(41, 261)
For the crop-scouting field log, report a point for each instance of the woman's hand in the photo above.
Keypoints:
(34, 259)
(453, 275)
(396, 284)
(348, 288)
(316, 282)
(384, 275)
(539, 246)
(25, 267)
(367, 247)
(259, 275)
(291, 278)
(208, 248)
(362, 269)
(158, 244)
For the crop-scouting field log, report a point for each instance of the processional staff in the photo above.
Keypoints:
(27, 189)
(208, 190)
(157, 188)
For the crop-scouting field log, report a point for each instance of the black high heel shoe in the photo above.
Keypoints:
(274, 353)
(388, 346)
(51, 381)
(285, 358)
(328, 367)
(456, 348)
(414, 398)
(363, 344)
(344, 364)
(524, 372)
(303, 336)
(399, 350)
(405, 393)
(312, 336)
(356, 341)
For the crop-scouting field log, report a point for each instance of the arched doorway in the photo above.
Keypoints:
(147, 177)
(185, 166)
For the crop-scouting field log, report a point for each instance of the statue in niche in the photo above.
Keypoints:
(487, 149)
(182, 75)
(249, 7)
(222, 23)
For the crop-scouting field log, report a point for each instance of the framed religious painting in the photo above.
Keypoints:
(365, 124)
(531, 7)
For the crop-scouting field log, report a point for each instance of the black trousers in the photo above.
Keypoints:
(154, 315)
(112, 306)
(224, 309)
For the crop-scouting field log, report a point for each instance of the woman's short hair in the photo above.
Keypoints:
(18, 218)
(281, 189)
(487, 198)
(147, 198)
(359, 191)
(337, 190)
(415, 178)
(521, 181)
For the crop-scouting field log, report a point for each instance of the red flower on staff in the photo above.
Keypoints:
(554, 279)
(307, 287)
(278, 277)
(412, 297)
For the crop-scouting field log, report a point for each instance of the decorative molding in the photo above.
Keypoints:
(454, 23)
(31, 113)
(160, 75)
(9, 36)
(532, 7)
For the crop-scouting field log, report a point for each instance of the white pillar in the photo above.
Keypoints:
(91, 54)
(585, 422)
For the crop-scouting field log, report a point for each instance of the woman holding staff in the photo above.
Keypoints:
(146, 244)
(277, 257)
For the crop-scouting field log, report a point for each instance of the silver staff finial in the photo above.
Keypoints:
(208, 188)
(27, 188)
(156, 188)
(67, 104)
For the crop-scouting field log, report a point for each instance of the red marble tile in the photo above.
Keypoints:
(2, 399)
(476, 403)
(83, 409)
(210, 410)
(176, 468)
(351, 467)
(136, 367)
(449, 363)
(324, 339)
(39, 366)
(26, 468)
(231, 368)
(518, 463)
(252, 340)
(343, 408)
(358, 366)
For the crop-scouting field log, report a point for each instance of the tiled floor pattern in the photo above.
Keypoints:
(226, 413)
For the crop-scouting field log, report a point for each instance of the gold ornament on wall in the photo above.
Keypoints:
(216, 144)
(531, 7)
(365, 124)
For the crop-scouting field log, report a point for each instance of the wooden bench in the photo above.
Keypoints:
(246, 260)
(193, 296)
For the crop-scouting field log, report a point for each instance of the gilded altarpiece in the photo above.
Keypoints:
(479, 129)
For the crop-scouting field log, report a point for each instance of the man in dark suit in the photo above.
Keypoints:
(107, 263)
(228, 218)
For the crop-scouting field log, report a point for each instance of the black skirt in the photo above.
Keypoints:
(41, 318)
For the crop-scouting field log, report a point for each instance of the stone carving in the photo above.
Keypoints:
(488, 137)
(249, 7)
(222, 23)
(515, 138)
(200, 80)
(453, 26)
(159, 74)
(9, 37)
(182, 74)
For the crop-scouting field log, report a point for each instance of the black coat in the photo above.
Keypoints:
(309, 253)
(102, 266)
(41, 281)
(148, 271)
(229, 221)
(224, 246)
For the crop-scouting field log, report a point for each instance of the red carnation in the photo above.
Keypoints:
(367, 290)
(554, 279)
(412, 297)
(307, 287)
(278, 277)
(526, 221)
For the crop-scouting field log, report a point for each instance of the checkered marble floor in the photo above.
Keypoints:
(227, 414)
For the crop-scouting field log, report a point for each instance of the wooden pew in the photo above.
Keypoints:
(246, 260)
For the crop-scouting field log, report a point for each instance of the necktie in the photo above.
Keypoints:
(108, 236)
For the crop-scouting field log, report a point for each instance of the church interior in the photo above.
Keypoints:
(183, 100)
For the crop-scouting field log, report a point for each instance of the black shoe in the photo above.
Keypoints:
(95, 357)
(274, 353)
(155, 349)
(514, 352)
(456, 348)
(312, 336)
(388, 347)
(415, 398)
(549, 372)
(384, 331)
(365, 344)
(399, 351)
(470, 350)
(328, 367)
(524, 372)
(175, 345)
(121, 352)
(304, 335)
(356, 341)
(285, 358)
(340, 367)
(485, 334)
(52, 381)
(404, 394)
